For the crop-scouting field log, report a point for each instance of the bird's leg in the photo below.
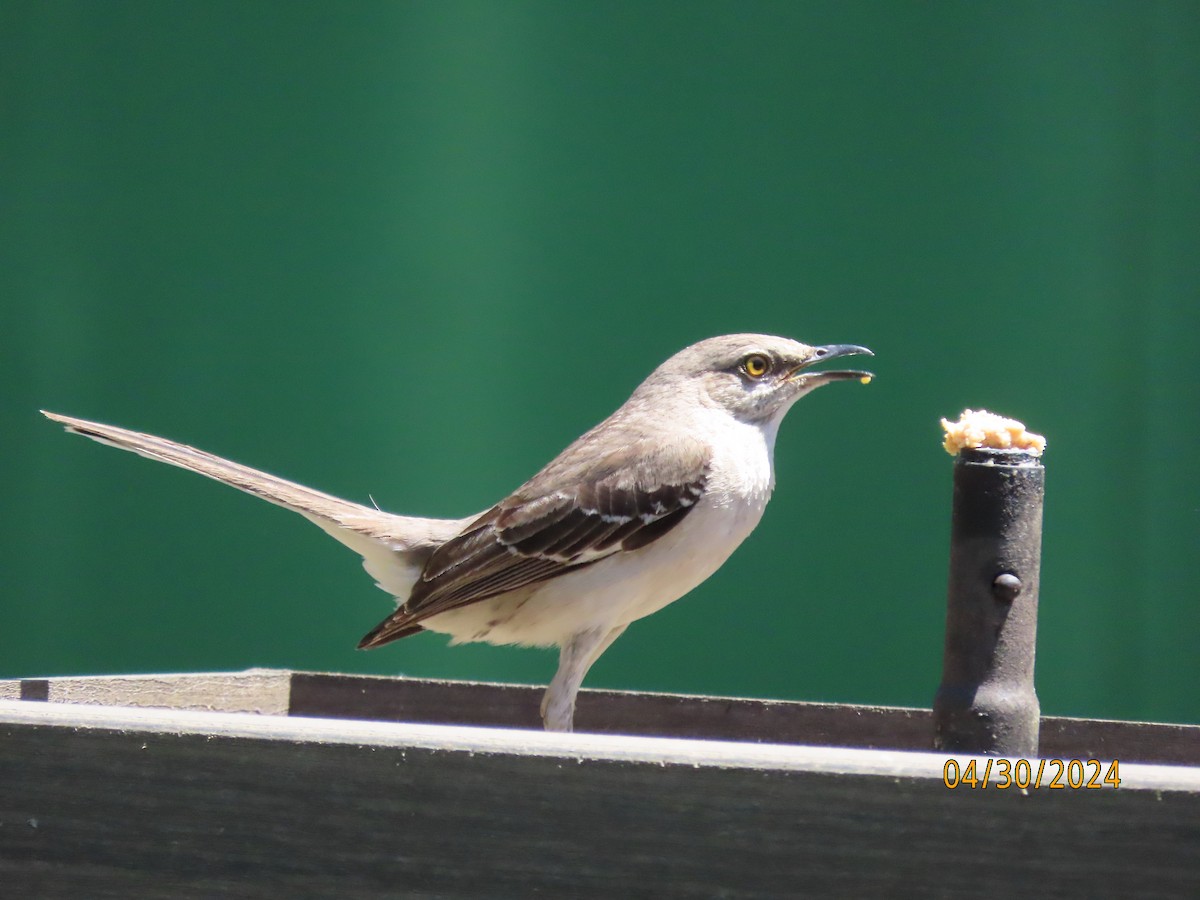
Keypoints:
(574, 660)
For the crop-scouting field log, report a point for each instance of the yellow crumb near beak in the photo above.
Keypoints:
(866, 379)
(980, 428)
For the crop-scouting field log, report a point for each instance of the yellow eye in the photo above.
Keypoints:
(756, 365)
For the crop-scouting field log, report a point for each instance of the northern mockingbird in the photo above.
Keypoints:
(630, 517)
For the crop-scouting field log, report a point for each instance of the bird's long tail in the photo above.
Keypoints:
(393, 547)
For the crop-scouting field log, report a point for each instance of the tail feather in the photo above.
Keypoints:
(394, 548)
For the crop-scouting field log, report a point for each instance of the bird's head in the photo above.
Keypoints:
(755, 377)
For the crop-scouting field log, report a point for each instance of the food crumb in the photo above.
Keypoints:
(980, 428)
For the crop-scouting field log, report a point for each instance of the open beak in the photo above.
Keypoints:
(825, 376)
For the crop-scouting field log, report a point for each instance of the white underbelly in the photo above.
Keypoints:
(616, 590)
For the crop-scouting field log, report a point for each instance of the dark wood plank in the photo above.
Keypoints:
(174, 808)
(611, 712)
(1154, 742)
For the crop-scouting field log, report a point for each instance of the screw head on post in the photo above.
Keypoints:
(1006, 587)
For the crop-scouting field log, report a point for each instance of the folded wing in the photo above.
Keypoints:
(572, 514)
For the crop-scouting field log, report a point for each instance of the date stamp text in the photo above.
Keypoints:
(1001, 774)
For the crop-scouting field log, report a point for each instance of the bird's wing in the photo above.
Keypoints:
(578, 510)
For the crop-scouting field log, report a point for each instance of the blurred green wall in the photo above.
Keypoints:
(411, 250)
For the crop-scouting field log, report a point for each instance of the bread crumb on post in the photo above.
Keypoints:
(977, 429)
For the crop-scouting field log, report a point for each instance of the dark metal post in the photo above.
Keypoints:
(986, 701)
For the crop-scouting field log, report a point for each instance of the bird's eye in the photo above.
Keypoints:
(756, 365)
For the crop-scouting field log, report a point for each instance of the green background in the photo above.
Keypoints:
(411, 250)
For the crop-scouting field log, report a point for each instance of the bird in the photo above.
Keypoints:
(630, 517)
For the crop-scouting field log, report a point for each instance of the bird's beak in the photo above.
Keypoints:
(825, 376)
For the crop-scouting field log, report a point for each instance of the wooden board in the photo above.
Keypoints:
(117, 802)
